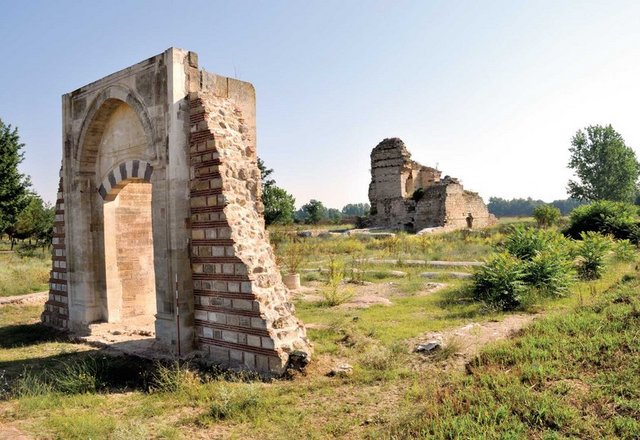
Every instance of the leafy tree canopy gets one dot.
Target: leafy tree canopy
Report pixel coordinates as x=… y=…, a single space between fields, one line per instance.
x=314 y=210
x=279 y=205
x=356 y=209
x=13 y=184
x=605 y=167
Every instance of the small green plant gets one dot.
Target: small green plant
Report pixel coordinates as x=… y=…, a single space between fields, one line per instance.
x=293 y=255
x=357 y=269
x=172 y=377
x=624 y=250
x=546 y=215
x=334 y=293
x=591 y=254
x=234 y=400
x=500 y=283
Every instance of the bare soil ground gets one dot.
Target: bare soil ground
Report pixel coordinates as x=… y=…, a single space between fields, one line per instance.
x=466 y=341
x=30 y=298
x=364 y=295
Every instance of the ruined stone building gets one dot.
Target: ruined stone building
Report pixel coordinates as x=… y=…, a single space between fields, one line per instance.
x=159 y=217
x=406 y=195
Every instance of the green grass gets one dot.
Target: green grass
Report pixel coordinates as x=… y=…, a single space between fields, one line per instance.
x=572 y=374
x=20 y=275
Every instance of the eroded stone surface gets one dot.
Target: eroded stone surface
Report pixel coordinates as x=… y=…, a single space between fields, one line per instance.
x=159 y=218
x=406 y=195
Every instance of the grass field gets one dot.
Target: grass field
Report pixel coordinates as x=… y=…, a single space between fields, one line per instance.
x=20 y=275
x=573 y=373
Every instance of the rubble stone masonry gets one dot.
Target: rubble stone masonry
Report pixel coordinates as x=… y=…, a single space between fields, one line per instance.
x=159 y=216
x=406 y=195
x=243 y=315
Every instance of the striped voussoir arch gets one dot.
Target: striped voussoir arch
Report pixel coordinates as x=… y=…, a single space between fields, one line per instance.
x=123 y=174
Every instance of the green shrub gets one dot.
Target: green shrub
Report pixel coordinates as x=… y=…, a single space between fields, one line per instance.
x=549 y=272
x=546 y=215
x=624 y=250
x=608 y=218
x=525 y=243
x=591 y=254
x=500 y=283
x=335 y=294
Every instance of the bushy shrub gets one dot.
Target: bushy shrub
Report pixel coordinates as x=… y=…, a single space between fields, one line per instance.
x=525 y=243
x=608 y=218
x=546 y=215
x=500 y=283
x=532 y=261
x=591 y=254
x=549 y=272
x=624 y=250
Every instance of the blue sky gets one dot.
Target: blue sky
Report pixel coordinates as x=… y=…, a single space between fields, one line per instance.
x=490 y=92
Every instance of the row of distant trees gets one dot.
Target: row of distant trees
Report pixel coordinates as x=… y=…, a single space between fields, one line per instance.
x=525 y=207
x=279 y=205
x=605 y=168
x=23 y=214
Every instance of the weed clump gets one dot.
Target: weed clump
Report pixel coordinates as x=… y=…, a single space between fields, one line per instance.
x=334 y=293
x=591 y=255
x=231 y=402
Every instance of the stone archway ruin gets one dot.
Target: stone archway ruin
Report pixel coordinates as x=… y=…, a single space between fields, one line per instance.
x=160 y=192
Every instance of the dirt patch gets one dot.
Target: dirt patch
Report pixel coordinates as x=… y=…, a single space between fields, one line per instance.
x=30 y=298
x=465 y=342
x=366 y=301
x=11 y=433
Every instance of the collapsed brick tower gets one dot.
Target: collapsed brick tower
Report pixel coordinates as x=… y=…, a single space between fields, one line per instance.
x=406 y=195
x=159 y=217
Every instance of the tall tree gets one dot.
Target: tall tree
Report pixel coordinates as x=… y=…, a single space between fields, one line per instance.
x=264 y=174
x=13 y=184
x=279 y=205
x=315 y=211
x=605 y=167
x=35 y=221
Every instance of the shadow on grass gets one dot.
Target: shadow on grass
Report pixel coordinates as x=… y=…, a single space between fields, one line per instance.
x=23 y=335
